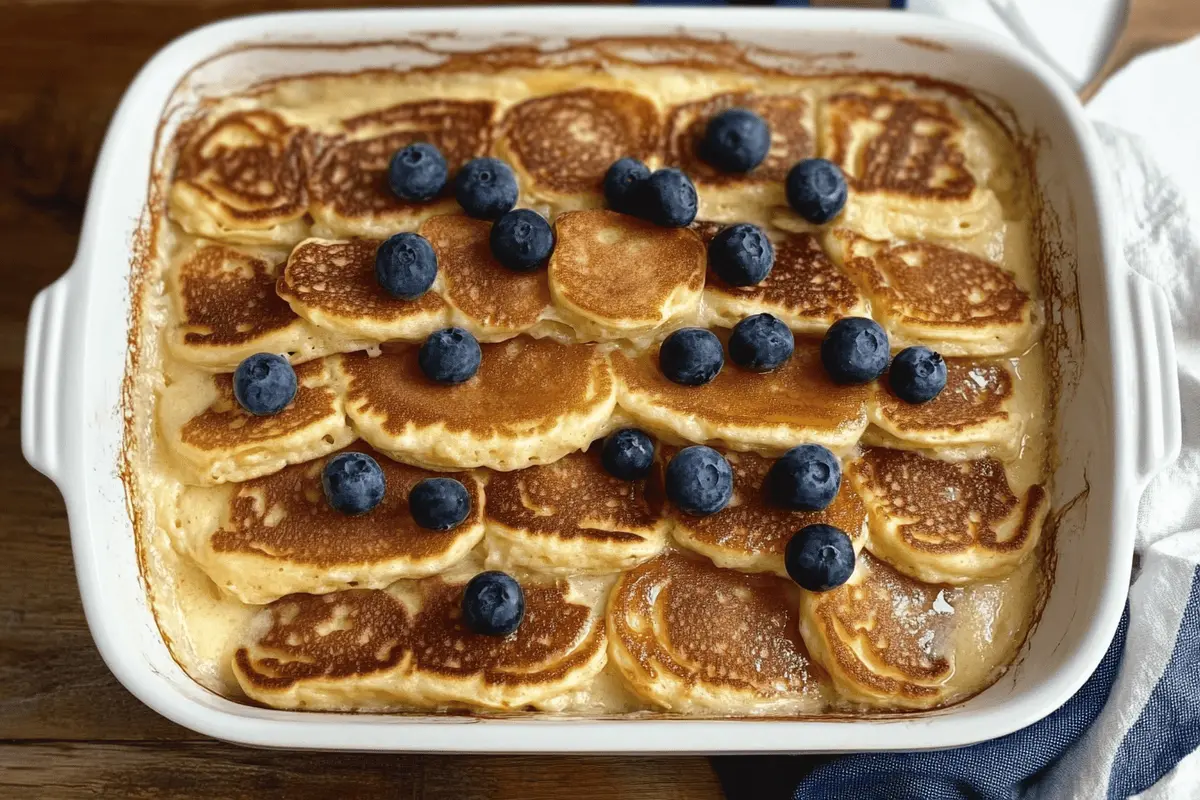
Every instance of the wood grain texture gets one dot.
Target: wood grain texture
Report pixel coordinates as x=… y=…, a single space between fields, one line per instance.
x=69 y=729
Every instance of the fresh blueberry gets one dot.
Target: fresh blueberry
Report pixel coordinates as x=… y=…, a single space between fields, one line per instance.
x=668 y=198
x=736 y=140
x=405 y=266
x=493 y=604
x=854 y=350
x=353 y=483
x=623 y=184
x=761 y=343
x=819 y=558
x=522 y=240
x=450 y=355
x=816 y=189
x=485 y=188
x=439 y=504
x=691 y=356
x=264 y=384
x=917 y=374
x=741 y=255
x=417 y=172
x=806 y=478
x=628 y=454
x=699 y=481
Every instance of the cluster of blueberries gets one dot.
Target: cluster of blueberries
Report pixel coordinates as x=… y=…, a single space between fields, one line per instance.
x=699 y=481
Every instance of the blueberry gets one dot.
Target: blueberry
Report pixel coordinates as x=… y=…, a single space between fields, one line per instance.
x=761 y=343
x=806 y=478
x=522 y=240
x=493 y=604
x=854 y=350
x=819 y=558
x=736 y=140
x=417 y=172
x=623 y=184
x=628 y=454
x=668 y=198
x=917 y=374
x=691 y=356
x=816 y=189
x=486 y=188
x=405 y=266
x=353 y=483
x=450 y=355
x=741 y=255
x=699 y=481
x=264 y=384
x=439 y=504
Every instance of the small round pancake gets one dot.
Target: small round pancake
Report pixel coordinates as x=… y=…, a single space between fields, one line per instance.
x=560 y=145
x=751 y=533
x=806 y=290
x=727 y=195
x=571 y=517
x=881 y=636
x=241 y=179
x=332 y=285
x=216 y=440
x=925 y=293
x=743 y=410
x=406 y=647
x=225 y=310
x=613 y=276
x=976 y=409
x=277 y=535
x=694 y=639
x=532 y=402
x=349 y=185
x=890 y=642
x=486 y=298
x=944 y=522
x=919 y=162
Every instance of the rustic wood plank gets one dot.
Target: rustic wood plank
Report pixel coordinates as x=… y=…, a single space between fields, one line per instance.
x=71 y=770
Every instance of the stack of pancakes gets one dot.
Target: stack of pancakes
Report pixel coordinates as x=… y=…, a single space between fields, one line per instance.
x=278 y=205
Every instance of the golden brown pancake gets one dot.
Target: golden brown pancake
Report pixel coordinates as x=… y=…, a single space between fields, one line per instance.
x=216 y=440
x=805 y=289
x=277 y=535
x=694 y=639
x=488 y=299
x=332 y=285
x=939 y=521
x=743 y=410
x=752 y=532
x=918 y=162
x=532 y=402
x=614 y=276
x=571 y=516
x=241 y=179
x=975 y=409
x=225 y=309
x=925 y=293
x=883 y=637
x=562 y=144
x=349 y=187
x=726 y=195
x=407 y=647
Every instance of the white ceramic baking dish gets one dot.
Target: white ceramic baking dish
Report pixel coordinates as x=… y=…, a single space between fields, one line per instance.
x=1118 y=418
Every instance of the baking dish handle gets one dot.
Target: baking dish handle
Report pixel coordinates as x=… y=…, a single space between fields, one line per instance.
x=1158 y=435
x=42 y=385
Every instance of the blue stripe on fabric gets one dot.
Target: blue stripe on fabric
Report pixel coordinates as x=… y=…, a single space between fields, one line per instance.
x=994 y=770
x=1169 y=726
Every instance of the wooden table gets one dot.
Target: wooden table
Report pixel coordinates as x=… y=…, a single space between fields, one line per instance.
x=67 y=729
